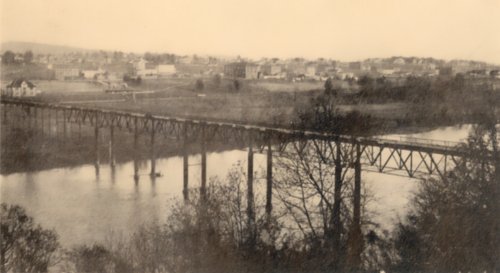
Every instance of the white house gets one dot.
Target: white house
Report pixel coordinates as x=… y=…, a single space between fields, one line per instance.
x=21 y=88
x=166 y=69
x=310 y=70
x=140 y=64
x=91 y=74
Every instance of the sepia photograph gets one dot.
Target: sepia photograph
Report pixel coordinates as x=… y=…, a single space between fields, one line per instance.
x=252 y=136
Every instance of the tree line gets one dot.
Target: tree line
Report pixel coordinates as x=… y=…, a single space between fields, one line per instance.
x=9 y=57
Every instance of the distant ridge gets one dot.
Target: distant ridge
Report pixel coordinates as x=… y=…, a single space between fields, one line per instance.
x=39 y=48
x=42 y=48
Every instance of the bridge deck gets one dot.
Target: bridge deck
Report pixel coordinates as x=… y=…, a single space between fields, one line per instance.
x=404 y=143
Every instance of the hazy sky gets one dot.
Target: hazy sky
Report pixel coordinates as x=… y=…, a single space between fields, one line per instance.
x=345 y=30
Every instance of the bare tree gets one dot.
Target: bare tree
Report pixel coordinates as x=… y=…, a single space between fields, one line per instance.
x=316 y=197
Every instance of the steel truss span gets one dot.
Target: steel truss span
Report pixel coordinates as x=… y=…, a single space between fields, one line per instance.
x=394 y=157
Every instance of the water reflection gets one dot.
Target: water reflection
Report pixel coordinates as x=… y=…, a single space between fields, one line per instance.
x=83 y=207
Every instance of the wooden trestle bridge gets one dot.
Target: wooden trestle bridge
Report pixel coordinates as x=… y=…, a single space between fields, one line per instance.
x=410 y=157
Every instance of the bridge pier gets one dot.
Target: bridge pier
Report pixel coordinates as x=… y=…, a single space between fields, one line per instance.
x=42 y=120
x=112 y=146
x=64 y=125
x=185 y=167
x=203 y=188
x=113 y=175
x=50 y=122
x=153 y=156
x=31 y=117
x=37 y=126
x=250 y=197
x=18 y=117
x=15 y=116
x=96 y=147
x=26 y=115
x=336 y=222
x=250 y=194
x=269 y=180
x=79 y=130
x=136 y=151
x=355 y=244
x=56 y=122
x=12 y=115
x=4 y=109
x=27 y=118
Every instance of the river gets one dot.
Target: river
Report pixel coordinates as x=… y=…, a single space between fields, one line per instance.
x=83 y=208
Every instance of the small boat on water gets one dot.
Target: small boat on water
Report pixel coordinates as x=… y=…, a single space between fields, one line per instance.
x=158 y=174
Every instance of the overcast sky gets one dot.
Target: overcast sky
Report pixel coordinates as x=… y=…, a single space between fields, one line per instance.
x=339 y=29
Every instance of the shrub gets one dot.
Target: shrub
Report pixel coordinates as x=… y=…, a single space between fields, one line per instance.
x=25 y=247
x=199 y=85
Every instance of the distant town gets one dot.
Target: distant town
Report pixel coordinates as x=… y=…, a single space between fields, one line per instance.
x=117 y=70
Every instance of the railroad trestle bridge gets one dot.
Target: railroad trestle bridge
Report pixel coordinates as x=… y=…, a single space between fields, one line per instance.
x=403 y=157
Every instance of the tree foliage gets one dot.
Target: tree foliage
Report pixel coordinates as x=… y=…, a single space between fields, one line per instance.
x=237 y=85
x=163 y=58
x=454 y=223
x=8 y=57
x=322 y=114
x=329 y=89
x=25 y=246
x=28 y=57
x=199 y=85
x=217 y=80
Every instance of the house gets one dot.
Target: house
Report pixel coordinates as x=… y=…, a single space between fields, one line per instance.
x=139 y=64
x=387 y=71
x=354 y=65
x=144 y=69
x=310 y=70
x=446 y=71
x=325 y=69
x=184 y=59
x=66 y=72
x=21 y=88
x=91 y=74
x=242 y=70
x=166 y=69
x=399 y=61
x=271 y=69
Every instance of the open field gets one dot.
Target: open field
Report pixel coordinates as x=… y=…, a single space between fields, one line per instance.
x=286 y=86
x=184 y=83
x=255 y=102
x=265 y=108
x=65 y=87
x=272 y=103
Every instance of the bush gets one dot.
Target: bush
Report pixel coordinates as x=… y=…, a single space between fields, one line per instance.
x=96 y=258
x=237 y=85
x=25 y=247
x=199 y=85
x=454 y=223
x=217 y=80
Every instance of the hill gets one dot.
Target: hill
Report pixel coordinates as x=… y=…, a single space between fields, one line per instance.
x=39 y=48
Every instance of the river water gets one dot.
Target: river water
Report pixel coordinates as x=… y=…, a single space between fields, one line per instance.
x=85 y=208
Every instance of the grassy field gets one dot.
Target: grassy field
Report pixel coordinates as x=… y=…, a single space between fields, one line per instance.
x=65 y=87
x=259 y=102
x=285 y=86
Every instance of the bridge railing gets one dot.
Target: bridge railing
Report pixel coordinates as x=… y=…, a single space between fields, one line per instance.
x=420 y=141
x=284 y=135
